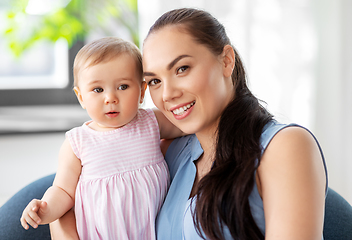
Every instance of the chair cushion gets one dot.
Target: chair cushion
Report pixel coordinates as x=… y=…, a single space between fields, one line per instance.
x=338 y=217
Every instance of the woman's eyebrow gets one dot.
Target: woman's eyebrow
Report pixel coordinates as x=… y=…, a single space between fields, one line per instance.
x=148 y=74
x=169 y=66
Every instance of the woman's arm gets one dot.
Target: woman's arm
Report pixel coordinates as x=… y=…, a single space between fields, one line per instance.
x=164 y=145
x=64 y=227
x=59 y=198
x=167 y=129
x=292 y=182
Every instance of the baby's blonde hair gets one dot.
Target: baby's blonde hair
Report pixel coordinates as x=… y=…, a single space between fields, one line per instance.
x=103 y=50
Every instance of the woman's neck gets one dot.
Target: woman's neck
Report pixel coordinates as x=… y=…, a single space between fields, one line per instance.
x=207 y=142
x=207 y=139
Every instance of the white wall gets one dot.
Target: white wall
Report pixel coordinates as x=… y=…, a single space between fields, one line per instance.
x=26 y=158
x=333 y=102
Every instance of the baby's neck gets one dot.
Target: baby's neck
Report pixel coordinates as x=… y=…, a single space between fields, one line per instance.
x=101 y=128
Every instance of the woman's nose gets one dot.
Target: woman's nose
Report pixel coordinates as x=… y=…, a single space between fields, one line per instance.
x=111 y=98
x=170 y=91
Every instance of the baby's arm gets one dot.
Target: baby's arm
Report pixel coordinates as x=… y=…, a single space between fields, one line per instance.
x=59 y=198
x=167 y=129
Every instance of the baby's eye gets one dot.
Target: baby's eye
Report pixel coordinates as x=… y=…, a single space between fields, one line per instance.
x=153 y=82
x=123 y=87
x=182 y=69
x=98 y=90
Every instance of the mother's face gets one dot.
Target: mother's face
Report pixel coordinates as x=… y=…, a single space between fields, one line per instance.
x=187 y=82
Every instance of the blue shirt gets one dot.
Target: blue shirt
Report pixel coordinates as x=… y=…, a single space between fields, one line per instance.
x=174 y=221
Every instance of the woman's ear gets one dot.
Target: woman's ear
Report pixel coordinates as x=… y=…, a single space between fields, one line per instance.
x=79 y=96
x=228 y=59
x=143 y=89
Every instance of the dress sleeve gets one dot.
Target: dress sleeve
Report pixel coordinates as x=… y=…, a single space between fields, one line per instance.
x=72 y=137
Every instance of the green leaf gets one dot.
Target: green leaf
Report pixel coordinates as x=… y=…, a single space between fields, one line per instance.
x=72 y=22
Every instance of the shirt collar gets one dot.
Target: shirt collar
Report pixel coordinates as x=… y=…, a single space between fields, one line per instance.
x=196 y=148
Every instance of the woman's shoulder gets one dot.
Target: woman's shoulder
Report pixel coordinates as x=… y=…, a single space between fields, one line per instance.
x=288 y=136
x=290 y=150
x=284 y=132
x=292 y=140
x=270 y=130
x=290 y=144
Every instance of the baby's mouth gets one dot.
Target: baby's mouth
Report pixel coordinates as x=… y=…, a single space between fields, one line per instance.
x=182 y=110
x=112 y=113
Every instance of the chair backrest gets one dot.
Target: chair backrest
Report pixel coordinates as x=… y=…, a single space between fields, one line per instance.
x=338 y=217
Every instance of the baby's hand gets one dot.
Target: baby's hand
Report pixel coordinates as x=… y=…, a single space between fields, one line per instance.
x=32 y=212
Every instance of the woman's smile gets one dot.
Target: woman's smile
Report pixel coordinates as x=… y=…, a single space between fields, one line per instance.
x=183 y=111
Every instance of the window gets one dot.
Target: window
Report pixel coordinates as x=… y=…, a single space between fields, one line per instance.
x=49 y=85
x=40 y=76
x=43 y=66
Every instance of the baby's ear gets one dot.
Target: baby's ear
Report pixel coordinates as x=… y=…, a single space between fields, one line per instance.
x=228 y=60
x=79 y=96
x=143 y=89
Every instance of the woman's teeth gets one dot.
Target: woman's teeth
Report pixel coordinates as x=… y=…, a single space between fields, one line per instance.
x=181 y=110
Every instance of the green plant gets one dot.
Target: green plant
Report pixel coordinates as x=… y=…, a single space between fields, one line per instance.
x=73 y=21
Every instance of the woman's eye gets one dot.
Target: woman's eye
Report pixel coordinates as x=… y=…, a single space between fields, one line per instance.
x=98 y=90
x=123 y=87
x=182 y=69
x=153 y=82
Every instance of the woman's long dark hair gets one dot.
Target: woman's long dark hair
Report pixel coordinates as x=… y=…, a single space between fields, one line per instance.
x=222 y=195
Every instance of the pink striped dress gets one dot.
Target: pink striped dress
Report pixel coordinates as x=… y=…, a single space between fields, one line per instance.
x=123 y=182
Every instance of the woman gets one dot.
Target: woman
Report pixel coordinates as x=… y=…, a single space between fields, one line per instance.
x=239 y=174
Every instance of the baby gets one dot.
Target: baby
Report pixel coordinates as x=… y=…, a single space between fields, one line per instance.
x=111 y=168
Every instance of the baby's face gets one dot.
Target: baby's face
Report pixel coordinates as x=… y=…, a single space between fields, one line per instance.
x=110 y=92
